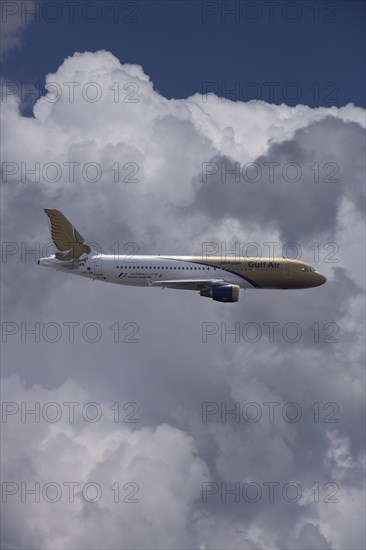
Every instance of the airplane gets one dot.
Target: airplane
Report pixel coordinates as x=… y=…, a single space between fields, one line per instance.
x=219 y=278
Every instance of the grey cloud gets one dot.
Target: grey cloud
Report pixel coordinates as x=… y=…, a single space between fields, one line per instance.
x=309 y=537
x=170 y=371
x=305 y=208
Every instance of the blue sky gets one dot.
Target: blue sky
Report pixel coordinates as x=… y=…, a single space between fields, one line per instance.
x=208 y=173
x=292 y=52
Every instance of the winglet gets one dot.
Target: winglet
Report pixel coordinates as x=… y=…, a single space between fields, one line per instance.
x=68 y=241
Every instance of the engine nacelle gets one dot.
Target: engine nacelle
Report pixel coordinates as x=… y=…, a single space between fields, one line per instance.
x=222 y=293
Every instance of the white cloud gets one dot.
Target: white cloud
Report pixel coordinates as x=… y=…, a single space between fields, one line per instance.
x=170 y=372
x=160 y=465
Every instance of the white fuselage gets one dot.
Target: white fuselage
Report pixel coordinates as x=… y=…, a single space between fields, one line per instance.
x=219 y=278
x=277 y=273
x=143 y=270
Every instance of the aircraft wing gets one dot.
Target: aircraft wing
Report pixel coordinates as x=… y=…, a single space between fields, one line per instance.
x=189 y=284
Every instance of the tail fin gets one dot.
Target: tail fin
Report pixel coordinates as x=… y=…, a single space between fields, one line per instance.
x=70 y=244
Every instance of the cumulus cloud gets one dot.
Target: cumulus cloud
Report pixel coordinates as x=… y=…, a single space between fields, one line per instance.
x=164 y=460
x=126 y=165
x=304 y=178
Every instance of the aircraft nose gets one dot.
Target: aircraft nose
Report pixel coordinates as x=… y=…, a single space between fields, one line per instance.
x=321 y=279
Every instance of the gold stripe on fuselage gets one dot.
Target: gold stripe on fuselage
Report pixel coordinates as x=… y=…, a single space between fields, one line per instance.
x=275 y=273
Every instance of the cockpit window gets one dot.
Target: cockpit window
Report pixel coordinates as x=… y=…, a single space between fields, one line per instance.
x=308 y=269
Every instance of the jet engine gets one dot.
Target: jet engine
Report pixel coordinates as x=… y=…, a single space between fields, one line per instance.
x=222 y=293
